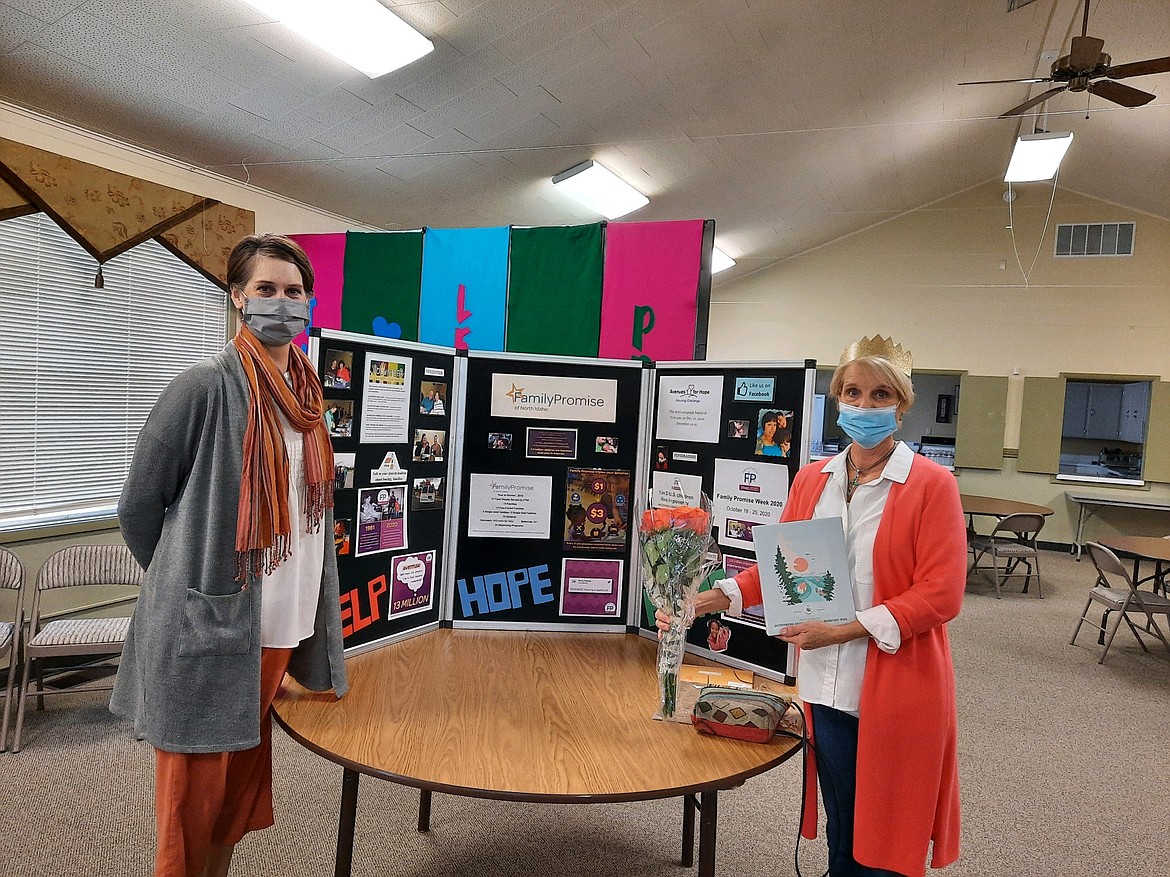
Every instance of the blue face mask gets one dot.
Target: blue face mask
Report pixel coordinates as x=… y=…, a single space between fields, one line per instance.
x=867 y=426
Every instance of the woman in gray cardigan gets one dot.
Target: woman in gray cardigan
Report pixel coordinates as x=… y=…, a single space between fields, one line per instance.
x=228 y=508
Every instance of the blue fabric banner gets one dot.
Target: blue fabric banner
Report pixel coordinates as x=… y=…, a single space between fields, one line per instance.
x=464 y=287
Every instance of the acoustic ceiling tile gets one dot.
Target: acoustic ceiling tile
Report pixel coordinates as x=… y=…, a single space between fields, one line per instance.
x=207 y=16
x=32 y=65
x=289 y=130
x=426 y=16
x=271 y=99
x=17 y=27
x=457 y=7
x=582 y=55
x=485 y=97
x=335 y=106
x=202 y=89
x=79 y=35
x=472 y=30
x=535 y=36
x=394 y=143
x=234 y=55
x=503 y=125
x=459 y=75
x=640 y=18
x=48 y=11
x=127 y=13
x=357 y=167
x=283 y=40
x=352 y=135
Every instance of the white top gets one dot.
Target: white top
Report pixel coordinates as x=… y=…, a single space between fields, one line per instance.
x=832 y=675
x=288 y=603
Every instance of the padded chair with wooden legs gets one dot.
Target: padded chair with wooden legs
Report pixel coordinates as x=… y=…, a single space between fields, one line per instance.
x=1014 y=542
x=92 y=640
x=11 y=579
x=1116 y=591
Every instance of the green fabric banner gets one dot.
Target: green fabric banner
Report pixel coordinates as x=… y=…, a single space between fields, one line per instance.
x=383 y=276
x=554 y=290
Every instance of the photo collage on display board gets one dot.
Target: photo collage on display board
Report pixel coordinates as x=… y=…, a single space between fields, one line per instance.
x=549 y=456
x=733 y=433
x=548 y=470
x=386 y=409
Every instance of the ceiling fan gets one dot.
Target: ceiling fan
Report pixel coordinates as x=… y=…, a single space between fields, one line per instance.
x=1087 y=68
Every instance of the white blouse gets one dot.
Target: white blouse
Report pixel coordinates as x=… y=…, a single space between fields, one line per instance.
x=832 y=675
x=288 y=603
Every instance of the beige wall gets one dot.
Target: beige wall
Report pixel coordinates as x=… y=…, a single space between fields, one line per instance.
x=933 y=279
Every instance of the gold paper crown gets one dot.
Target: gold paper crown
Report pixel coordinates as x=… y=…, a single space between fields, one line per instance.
x=879 y=346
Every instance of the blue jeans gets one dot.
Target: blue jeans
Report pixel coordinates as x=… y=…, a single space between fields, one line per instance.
x=835 y=739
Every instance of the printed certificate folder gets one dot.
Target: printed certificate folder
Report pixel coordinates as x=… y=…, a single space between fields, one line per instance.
x=804 y=573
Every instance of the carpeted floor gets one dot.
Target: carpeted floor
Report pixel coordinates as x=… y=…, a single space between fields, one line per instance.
x=1063 y=773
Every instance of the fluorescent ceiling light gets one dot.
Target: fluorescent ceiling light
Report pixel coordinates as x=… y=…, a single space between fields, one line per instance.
x=1037 y=156
x=362 y=33
x=720 y=261
x=599 y=189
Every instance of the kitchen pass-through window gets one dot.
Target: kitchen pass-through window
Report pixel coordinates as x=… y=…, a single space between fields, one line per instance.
x=1104 y=431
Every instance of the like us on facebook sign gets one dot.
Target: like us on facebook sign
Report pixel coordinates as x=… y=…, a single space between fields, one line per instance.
x=754 y=389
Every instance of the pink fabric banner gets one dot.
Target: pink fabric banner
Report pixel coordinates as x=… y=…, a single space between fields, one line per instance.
x=650 y=290
x=326 y=252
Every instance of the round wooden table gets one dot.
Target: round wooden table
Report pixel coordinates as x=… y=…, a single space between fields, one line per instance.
x=520 y=716
x=999 y=508
x=1141 y=548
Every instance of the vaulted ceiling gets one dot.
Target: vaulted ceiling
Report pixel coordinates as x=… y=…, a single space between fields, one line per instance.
x=790 y=123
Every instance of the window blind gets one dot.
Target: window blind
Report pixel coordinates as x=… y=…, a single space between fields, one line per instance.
x=81 y=368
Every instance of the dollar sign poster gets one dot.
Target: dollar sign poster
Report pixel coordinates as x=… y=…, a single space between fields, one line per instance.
x=597 y=505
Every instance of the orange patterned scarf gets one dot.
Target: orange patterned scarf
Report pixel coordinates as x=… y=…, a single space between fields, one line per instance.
x=263 y=529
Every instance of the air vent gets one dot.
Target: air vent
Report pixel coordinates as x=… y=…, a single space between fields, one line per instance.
x=1095 y=239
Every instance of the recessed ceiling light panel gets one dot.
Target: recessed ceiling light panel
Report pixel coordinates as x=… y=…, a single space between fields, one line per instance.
x=599 y=189
x=720 y=261
x=362 y=33
x=1037 y=156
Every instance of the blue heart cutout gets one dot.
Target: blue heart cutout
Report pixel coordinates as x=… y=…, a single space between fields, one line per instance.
x=384 y=329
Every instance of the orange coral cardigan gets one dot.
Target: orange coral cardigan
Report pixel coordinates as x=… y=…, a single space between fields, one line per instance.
x=907 y=770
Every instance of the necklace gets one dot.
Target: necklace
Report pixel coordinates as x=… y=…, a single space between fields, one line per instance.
x=857 y=472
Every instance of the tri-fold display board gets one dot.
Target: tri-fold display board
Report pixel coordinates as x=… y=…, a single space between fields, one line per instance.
x=504 y=491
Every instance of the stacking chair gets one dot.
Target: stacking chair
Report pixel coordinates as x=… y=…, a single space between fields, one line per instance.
x=11 y=579
x=1014 y=542
x=1116 y=591
x=91 y=640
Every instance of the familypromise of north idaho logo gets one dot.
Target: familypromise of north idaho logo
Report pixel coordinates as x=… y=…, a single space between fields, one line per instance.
x=541 y=397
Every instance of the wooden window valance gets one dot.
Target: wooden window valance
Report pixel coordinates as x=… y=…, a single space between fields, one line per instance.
x=108 y=213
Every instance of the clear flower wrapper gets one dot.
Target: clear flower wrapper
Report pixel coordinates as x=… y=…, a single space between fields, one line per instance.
x=677 y=554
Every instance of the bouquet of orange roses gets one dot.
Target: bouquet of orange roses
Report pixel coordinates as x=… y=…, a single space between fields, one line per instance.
x=675 y=547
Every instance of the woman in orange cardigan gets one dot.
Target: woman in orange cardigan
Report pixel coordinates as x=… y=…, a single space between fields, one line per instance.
x=879 y=691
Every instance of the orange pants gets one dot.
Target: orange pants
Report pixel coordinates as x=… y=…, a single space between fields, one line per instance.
x=205 y=798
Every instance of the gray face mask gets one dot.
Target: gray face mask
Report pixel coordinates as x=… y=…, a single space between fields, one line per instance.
x=276 y=321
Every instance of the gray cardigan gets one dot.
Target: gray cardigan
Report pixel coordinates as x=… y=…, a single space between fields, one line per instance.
x=190 y=673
